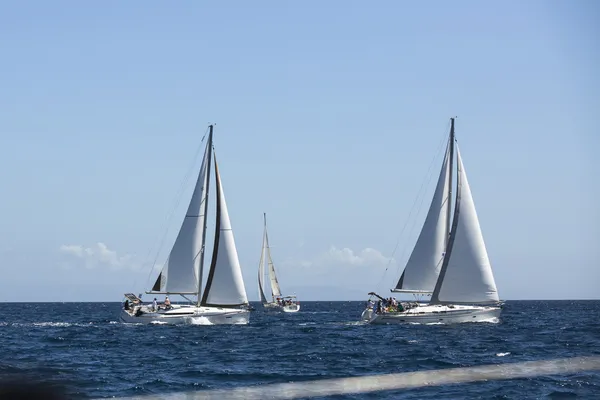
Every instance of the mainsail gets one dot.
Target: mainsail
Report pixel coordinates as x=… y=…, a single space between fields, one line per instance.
x=182 y=273
x=182 y=270
x=423 y=266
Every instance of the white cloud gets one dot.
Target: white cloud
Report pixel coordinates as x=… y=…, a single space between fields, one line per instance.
x=72 y=249
x=338 y=272
x=335 y=257
x=98 y=256
x=366 y=257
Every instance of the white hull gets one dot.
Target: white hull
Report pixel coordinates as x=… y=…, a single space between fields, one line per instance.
x=271 y=306
x=291 y=308
x=287 y=309
x=366 y=315
x=189 y=315
x=428 y=314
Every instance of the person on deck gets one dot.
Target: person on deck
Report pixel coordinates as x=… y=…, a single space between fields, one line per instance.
x=167 y=303
x=154 y=305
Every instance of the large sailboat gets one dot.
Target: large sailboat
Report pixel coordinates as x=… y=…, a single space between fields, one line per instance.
x=224 y=299
x=277 y=302
x=449 y=260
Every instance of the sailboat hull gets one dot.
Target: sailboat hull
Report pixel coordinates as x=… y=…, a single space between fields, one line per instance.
x=188 y=315
x=291 y=308
x=367 y=314
x=438 y=314
x=271 y=306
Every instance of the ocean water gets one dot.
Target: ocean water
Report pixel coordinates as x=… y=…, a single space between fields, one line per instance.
x=83 y=349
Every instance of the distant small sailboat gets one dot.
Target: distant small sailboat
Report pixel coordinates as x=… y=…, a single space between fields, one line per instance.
x=278 y=302
x=224 y=299
x=449 y=261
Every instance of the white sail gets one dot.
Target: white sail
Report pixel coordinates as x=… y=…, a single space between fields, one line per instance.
x=423 y=266
x=265 y=256
x=261 y=269
x=225 y=286
x=466 y=275
x=275 y=290
x=180 y=273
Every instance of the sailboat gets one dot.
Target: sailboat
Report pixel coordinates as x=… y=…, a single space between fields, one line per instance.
x=224 y=299
x=449 y=260
x=278 y=302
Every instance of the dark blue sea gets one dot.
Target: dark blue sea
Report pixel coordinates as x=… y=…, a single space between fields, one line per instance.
x=82 y=349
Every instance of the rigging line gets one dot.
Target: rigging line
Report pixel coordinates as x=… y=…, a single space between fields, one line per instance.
x=177 y=200
x=426 y=179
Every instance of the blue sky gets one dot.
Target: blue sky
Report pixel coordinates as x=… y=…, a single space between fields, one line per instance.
x=329 y=115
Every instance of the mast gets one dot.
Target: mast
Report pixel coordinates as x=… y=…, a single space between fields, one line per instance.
x=452 y=232
x=261 y=263
x=451 y=166
x=264 y=250
x=201 y=269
